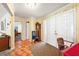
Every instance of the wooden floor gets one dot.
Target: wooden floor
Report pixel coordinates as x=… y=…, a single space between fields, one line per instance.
x=44 y=49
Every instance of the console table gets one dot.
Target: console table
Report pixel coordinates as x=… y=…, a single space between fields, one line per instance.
x=4 y=43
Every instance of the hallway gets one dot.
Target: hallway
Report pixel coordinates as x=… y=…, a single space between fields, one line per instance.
x=50 y=26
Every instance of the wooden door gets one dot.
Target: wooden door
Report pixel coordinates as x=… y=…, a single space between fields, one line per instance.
x=38 y=30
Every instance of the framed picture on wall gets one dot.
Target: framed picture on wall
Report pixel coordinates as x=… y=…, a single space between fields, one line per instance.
x=3 y=25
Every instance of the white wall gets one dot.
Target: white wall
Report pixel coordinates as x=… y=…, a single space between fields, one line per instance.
x=5 y=17
x=28 y=31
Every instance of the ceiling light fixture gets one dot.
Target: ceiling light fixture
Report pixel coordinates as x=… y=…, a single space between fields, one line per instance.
x=31 y=5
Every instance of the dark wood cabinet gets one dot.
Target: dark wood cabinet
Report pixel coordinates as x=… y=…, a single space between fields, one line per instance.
x=4 y=43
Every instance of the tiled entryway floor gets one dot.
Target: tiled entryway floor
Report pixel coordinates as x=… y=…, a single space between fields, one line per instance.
x=39 y=49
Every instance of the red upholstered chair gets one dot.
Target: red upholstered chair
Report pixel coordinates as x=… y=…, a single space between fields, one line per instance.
x=72 y=51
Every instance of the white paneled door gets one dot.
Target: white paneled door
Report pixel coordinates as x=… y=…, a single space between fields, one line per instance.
x=60 y=25
x=70 y=25
x=52 y=31
x=49 y=31
x=66 y=25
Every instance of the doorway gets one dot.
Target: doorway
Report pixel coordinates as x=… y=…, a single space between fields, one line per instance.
x=18 y=31
x=38 y=31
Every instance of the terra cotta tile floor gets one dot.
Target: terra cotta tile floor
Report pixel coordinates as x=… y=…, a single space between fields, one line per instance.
x=39 y=49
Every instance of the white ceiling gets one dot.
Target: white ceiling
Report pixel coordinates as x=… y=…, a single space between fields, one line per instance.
x=43 y=9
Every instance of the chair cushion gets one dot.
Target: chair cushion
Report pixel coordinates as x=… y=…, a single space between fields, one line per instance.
x=72 y=51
